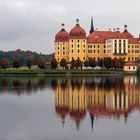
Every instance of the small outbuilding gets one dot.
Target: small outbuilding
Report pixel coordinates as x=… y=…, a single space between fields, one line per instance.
x=130 y=66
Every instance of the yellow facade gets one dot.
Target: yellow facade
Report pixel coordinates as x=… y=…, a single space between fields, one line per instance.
x=114 y=45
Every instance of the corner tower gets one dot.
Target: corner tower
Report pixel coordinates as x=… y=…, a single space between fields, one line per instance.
x=77 y=43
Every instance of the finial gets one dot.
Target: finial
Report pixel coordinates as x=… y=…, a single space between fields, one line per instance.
x=125 y=28
x=77 y=22
x=63 y=26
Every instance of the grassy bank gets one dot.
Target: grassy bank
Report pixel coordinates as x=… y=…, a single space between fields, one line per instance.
x=40 y=72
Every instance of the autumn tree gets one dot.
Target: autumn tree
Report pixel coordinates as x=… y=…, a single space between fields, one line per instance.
x=16 y=63
x=4 y=63
x=92 y=62
x=54 y=63
x=29 y=63
x=86 y=63
x=73 y=63
x=101 y=62
x=78 y=63
x=121 y=62
x=116 y=63
x=42 y=63
x=63 y=63
x=108 y=63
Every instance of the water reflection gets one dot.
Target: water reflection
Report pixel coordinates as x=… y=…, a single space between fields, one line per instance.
x=101 y=97
x=98 y=97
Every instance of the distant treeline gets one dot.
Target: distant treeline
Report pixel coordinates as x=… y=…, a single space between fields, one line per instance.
x=24 y=56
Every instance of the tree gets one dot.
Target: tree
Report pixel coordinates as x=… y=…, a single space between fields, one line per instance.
x=4 y=63
x=86 y=63
x=116 y=63
x=121 y=62
x=54 y=63
x=108 y=63
x=63 y=62
x=29 y=63
x=92 y=62
x=42 y=63
x=16 y=63
x=78 y=63
x=73 y=63
x=101 y=62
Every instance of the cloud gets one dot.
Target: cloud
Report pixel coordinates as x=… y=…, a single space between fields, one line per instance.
x=32 y=24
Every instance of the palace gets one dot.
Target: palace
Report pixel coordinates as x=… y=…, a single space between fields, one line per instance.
x=97 y=45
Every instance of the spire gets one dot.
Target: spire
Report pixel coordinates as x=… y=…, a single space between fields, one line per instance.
x=92 y=26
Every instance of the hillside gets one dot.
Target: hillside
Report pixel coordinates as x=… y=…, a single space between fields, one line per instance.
x=23 y=56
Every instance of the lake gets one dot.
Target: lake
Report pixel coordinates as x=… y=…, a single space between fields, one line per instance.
x=70 y=108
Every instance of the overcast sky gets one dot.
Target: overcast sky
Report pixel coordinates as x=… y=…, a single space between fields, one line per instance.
x=32 y=24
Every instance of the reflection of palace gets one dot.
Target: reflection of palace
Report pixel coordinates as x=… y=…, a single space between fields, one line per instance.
x=101 y=97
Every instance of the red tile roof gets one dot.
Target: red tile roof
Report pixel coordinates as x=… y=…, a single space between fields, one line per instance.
x=77 y=33
x=62 y=36
x=130 y=63
x=102 y=36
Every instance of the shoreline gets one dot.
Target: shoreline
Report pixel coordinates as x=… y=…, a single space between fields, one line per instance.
x=71 y=73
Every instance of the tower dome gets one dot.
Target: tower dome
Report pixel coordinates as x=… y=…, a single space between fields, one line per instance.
x=62 y=36
x=77 y=32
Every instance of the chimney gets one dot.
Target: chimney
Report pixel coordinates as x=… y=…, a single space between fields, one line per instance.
x=109 y=29
x=114 y=29
x=96 y=29
x=118 y=29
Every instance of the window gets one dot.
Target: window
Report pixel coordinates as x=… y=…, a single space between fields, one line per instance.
x=71 y=51
x=84 y=51
x=63 y=52
x=63 y=48
x=58 y=48
x=98 y=46
x=78 y=46
x=104 y=51
x=98 y=51
x=78 y=41
x=78 y=51
x=133 y=68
